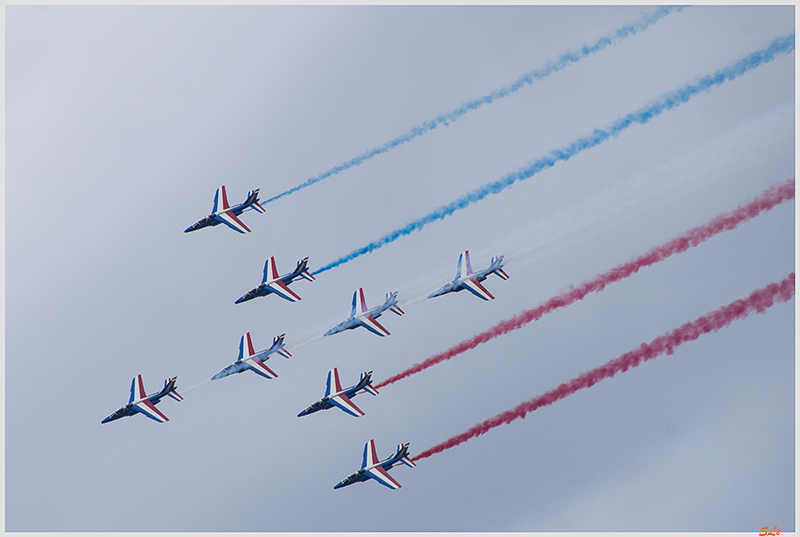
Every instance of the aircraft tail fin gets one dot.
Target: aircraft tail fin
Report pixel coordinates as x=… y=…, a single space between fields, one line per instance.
x=277 y=341
x=302 y=270
x=252 y=199
x=170 y=389
x=498 y=261
x=366 y=383
x=175 y=395
x=394 y=308
x=405 y=459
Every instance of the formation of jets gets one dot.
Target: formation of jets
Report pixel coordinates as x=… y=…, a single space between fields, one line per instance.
x=360 y=316
x=250 y=360
x=337 y=397
x=141 y=403
x=372 y=468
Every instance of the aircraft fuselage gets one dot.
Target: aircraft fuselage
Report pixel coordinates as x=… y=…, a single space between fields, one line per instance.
x=236 y=367
x=122 y=412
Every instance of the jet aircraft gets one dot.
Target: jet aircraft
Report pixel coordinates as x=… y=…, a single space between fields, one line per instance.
x=279 y=285
x=222 y=213
x=335 y=396
x=254 y=361
x=372 y=468
x=140 y=403
x=361 y=316
x=466 y=279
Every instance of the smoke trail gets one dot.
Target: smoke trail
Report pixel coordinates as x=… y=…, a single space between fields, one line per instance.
x=196 y=386
x=309 y=340
x=724 y=156
x=757 y=302
x=724 y=222
x=525 y=80
x=668 y=101
x=716 y=159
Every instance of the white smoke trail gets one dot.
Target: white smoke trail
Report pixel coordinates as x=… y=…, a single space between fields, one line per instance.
x=309 y=340
x=196 y=386
x=712 y=161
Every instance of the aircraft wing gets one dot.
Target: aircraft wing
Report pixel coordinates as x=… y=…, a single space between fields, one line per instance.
x=220 y=200
x=283 y=291
x=369 y=322
x=233 y=222
x=149 y=409
x=473 y=286
x=382 y=476
x=256 y=207
x=344 y=402
x=261 y=368
x=137 y=389
x=133 y=389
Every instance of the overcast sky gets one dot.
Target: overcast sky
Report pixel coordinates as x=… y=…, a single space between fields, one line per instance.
x=122 y=121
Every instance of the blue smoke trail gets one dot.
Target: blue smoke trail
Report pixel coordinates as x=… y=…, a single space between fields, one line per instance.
x=526 y=80
x=668 y=101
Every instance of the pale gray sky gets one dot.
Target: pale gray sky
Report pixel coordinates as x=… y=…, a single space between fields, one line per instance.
x=122 y=121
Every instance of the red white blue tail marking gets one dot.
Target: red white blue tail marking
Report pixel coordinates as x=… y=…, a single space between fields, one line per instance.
x=259 y=367
x=233 y=222
x=369 y=322
x=477 y=289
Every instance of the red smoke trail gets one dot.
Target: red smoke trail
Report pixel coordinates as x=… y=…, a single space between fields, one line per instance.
x=758 y=302
x=771 y=197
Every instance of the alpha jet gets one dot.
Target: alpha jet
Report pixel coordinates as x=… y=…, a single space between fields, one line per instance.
x=466 y=279
x=279 y=285
x=222 y=213
x=140 y=403
x=372 y=468
x=361 y=316
x=254 y=361
x=335 y=396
